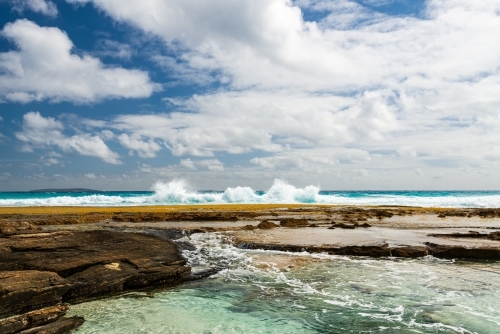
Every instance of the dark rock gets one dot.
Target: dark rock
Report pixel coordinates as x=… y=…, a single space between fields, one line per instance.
x=452 y=252
x=380 y=214
x=30 y=289
x=344 y=226
x=248 y=227
x=196 y=230
x=441 y=215
x=60 y=326
x=410 y=251
x=488 y=213
x=373 y=251
x=440 y=251
x=291 y=222
x=266 y=225
x=175 y=216
x=470 y=234
x=92 y=263
x=31 y=319
x=13 y=227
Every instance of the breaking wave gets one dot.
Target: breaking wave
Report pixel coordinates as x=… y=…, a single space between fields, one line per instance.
x=177 y=192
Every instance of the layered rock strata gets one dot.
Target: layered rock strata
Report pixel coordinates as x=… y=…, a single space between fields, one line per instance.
x=41 y=270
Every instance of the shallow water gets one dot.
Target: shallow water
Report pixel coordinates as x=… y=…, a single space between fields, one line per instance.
x=276 y=292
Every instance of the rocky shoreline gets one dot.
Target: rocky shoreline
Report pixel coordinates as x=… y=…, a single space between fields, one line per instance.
x=40 y=272
x=51 y=257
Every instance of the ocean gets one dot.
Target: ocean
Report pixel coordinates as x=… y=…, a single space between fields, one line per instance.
x=278 y=292
x=179 y=192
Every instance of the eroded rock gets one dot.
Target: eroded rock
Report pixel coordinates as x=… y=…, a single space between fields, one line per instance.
x=266 y=225
x=30 y=289
x=38 y=270
x=61 y=326
x=31 y=319
x=291 y=222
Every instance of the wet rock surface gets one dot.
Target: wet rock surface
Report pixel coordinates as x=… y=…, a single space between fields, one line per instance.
x=40 y=270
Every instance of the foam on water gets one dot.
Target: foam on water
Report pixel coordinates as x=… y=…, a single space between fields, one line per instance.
x=180 y=192
x=323 y=294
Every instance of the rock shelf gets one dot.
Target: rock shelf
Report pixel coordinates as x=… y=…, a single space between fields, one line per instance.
x=54 y=256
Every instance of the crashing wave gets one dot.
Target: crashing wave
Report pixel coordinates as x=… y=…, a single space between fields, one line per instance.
x=178 y=191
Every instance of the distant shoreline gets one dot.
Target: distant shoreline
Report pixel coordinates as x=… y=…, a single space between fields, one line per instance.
x=65 y=190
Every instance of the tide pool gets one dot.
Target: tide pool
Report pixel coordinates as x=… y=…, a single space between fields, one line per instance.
x=276 y=292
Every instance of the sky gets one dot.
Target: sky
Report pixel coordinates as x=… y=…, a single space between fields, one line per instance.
x=345 y=95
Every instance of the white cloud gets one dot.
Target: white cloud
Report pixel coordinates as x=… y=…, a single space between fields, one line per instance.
x=46 y=132
x=213 y=165
x=270 y=122
x=114 y=49
x=145 y=149
x=90 y=176
x=107 y=134
x=44 y=68
x=263 y=44
x=358 y=90
x=50 y=161
x=188 y=163
x=39 y=6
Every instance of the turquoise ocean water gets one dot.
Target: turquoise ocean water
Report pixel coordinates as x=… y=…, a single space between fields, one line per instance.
x=178 y=192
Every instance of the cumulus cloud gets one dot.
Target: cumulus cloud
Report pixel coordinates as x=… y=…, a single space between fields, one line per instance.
x=43 y=68
x=39 y=6
x=313 y=160
x=47 y=132
x=145 y=149
x=355 y=77
x=213 y=165
x=359 y=87
x=271 y=122
x=266 y=44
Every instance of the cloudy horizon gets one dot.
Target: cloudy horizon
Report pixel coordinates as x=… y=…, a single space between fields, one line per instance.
x=345 y=95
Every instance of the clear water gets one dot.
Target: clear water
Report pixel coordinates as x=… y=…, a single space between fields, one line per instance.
x=179 y=192
x=275 y=292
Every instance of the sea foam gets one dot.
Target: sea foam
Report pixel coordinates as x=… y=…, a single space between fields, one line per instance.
x=178 y=192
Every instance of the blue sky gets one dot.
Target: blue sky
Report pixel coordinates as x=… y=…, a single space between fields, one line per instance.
x=368 y=94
